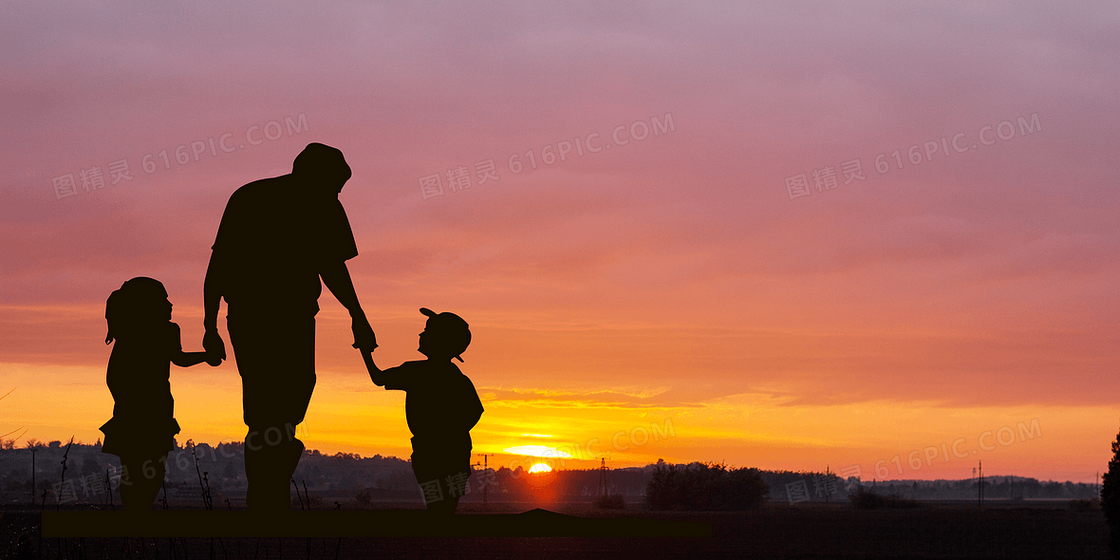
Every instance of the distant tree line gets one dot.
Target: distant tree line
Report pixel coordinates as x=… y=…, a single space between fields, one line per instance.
x=350 y=478
x=705 y=487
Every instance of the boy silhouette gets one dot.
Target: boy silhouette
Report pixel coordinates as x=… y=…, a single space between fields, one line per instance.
x=441 y=406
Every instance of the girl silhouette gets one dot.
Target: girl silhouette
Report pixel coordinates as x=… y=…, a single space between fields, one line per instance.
x=143 y=426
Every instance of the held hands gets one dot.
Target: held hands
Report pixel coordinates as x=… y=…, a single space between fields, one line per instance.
x=214 y=346
x=365 y=341
x=213 y=359
x=374 y=371
x=364 y=338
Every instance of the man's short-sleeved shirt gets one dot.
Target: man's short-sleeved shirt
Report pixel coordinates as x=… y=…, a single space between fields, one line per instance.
x=275 y=237
x=441 y=404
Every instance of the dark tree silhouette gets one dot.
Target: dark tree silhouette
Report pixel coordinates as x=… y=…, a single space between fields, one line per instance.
x=1110 y=498
x=705 y=487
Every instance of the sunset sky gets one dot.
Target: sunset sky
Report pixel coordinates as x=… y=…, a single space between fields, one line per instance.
x=686 y=283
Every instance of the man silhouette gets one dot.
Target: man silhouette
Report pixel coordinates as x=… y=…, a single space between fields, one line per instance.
x=277 y=238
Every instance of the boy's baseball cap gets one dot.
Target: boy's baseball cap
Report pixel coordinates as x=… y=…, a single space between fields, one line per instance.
x=452 y=328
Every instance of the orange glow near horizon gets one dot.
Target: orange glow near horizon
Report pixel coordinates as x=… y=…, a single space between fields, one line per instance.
x=886 y=440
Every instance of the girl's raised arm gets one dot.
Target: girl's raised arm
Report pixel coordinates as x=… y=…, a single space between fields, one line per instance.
x=181 y=358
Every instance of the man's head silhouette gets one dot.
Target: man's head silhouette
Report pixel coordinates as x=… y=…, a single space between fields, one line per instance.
x=322 y=165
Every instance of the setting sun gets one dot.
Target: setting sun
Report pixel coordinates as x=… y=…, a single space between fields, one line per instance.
x=540 y=468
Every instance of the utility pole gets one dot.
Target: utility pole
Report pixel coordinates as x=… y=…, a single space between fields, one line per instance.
x=33 y=450
x=486 y=486
x=602 y=477
x=827 y=482
x=980 y=487
x=485 y=481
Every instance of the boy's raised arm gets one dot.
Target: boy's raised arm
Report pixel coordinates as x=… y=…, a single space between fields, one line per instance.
x=394 y=378
x=375 y=373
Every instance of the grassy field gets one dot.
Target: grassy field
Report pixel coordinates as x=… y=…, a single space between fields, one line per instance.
x=1012 y=530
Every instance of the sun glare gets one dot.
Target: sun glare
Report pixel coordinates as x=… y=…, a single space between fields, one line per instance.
x=540 y=468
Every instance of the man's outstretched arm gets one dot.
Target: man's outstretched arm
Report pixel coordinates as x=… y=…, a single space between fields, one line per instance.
x=337 y=278
x=212 y=301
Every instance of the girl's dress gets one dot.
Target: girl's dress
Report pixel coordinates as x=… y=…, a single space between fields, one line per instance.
x=143 y=423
